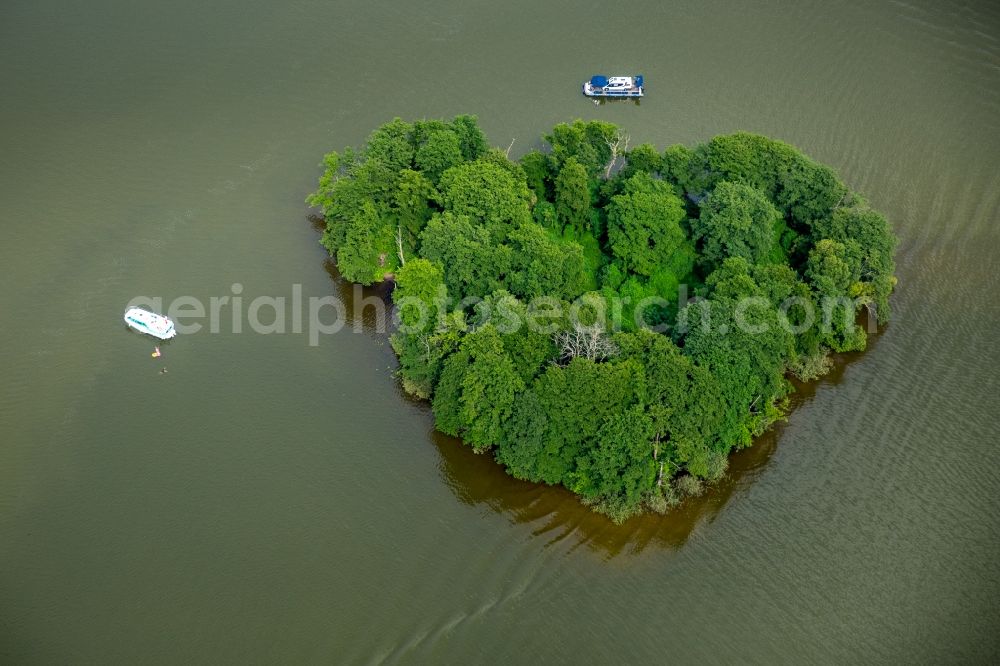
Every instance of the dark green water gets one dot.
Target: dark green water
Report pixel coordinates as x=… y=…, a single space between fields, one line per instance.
x=271 y=502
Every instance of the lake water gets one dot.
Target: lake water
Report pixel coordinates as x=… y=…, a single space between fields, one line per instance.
x=268 y=501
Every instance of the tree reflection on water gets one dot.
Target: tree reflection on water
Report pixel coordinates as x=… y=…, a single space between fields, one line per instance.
x=556 y=514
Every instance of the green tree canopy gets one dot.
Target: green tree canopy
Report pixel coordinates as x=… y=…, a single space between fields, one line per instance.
x=487 y=194
x=556 y=421
x=736 y=221
x=644 y=229
x=471 y=139
x=869 y=249
x=367 y=243
x=745 y=347
x=573 y=196
x=477 y=389
x=618 y=471
x=420 y=284
x=428 y=333
x=475 y=264
x=538 y=174
x=412 y=205
x=685 y=403
x=587 y=142
x=438 y=153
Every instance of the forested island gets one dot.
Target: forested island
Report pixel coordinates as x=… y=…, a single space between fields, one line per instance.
x=615 y=320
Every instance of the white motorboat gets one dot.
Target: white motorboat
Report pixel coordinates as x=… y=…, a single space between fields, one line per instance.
x=150 y=323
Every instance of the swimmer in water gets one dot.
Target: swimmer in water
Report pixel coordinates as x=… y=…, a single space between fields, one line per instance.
x=163 y=371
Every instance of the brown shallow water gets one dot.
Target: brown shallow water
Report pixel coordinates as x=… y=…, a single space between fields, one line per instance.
x=272 y=502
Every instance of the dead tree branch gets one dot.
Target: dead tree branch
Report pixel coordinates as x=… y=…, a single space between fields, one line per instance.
x=588 y=342
x=399 y=244
x=619 y=148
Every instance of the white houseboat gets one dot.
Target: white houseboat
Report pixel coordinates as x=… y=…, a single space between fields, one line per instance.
x=614 y=86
